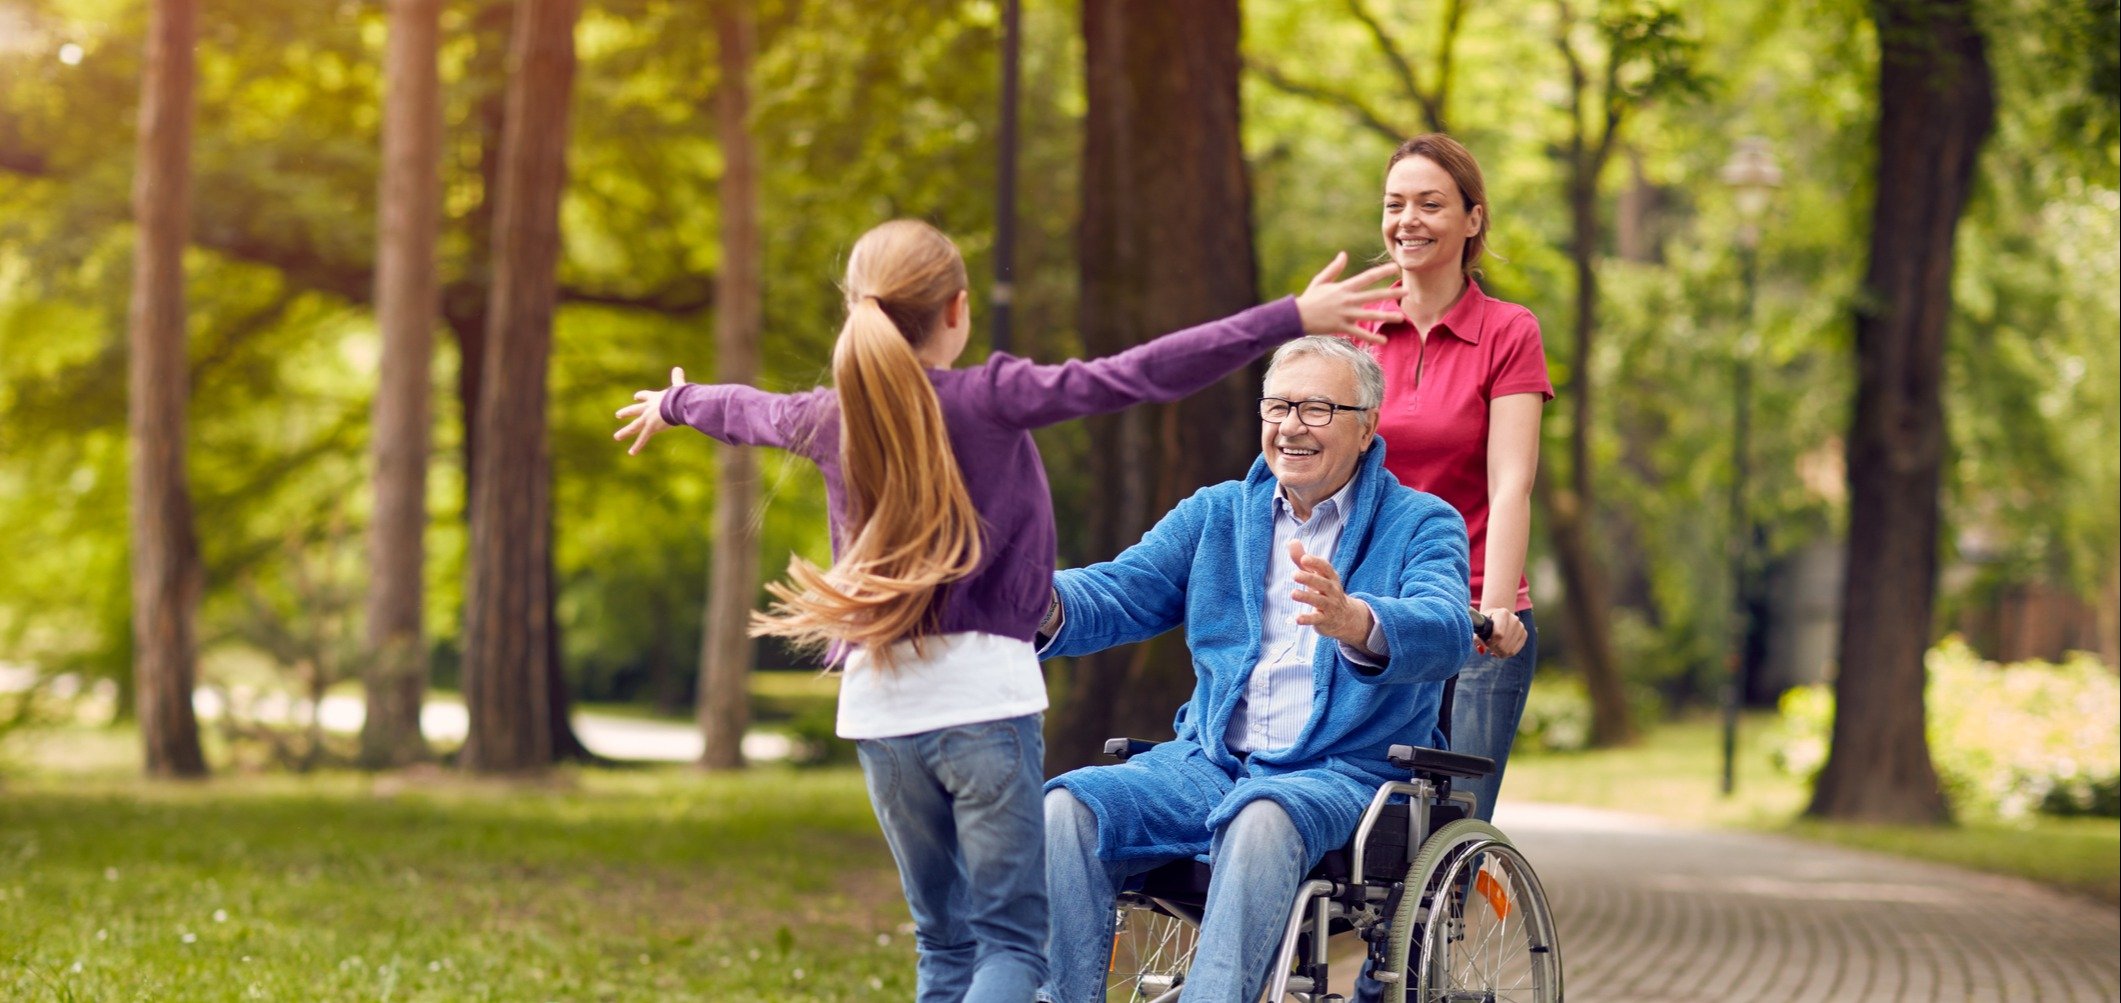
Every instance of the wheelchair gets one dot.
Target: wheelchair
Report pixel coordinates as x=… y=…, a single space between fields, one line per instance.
x=1447 y=909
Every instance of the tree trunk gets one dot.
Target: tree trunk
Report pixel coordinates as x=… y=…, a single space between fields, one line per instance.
x=559 y=703
x=165 y=557
x=726 y=646
x=394 y=679
x=1166 y=242
x=465 y=308
x=1936 y=107
x=508 y=640
x=1587 y=606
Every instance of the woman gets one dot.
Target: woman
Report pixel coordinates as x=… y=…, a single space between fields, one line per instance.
x=1465 y=381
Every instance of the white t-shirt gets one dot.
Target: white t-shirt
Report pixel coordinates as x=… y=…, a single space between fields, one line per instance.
x=966 y=678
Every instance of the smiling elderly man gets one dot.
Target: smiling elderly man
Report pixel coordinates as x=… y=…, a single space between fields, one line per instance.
x=1307 y=668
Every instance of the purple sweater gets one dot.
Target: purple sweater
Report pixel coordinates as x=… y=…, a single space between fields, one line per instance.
x=990 y=412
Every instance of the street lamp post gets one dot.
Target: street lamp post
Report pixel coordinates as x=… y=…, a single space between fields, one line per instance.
x=1753 y=177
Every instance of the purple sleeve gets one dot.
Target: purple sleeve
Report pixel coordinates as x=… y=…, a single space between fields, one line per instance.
x=1025 y=394
x=745 y=416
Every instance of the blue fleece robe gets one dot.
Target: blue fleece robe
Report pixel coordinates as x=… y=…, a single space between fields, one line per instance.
x=1204 y=566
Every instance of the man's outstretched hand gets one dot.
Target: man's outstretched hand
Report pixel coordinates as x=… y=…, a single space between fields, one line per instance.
x=1334 y=612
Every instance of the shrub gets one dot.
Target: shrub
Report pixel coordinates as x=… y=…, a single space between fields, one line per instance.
x=2007 y=740
x=1557 y=715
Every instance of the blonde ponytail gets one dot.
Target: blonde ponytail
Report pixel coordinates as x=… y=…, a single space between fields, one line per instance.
x=913 y=528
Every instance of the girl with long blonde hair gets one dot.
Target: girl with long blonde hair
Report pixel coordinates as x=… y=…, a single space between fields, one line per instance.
x=943 y=556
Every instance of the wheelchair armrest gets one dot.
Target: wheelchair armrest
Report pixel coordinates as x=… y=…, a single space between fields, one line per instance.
x=1450 y=764
x=1124 y=749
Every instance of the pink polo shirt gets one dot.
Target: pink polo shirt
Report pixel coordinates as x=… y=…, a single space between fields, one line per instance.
x=1435 y=416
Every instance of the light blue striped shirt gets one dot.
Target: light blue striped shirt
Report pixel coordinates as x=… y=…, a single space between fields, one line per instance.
x=1277 y=700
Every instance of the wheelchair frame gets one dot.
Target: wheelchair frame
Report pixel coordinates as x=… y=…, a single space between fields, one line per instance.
x=1414 y=903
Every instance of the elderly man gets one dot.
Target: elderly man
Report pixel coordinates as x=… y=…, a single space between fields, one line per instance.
x=1324 y=605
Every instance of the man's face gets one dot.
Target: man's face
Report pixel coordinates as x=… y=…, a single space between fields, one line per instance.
x=1313 y=462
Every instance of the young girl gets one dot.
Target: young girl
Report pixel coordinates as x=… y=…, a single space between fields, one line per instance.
x=943 y=544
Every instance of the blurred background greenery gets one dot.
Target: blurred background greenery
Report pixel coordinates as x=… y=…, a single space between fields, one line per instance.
x=885 y=108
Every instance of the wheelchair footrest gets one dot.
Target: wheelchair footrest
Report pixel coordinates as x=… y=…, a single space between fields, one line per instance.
x=1450 y=764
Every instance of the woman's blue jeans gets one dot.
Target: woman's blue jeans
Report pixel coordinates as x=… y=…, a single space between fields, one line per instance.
x=1486 y=707
x=961 y=809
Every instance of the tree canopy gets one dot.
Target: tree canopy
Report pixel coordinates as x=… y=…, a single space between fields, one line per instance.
x=866 y=111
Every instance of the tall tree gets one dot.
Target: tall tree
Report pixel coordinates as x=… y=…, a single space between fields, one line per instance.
x=466 y=302
x=394 y=675
x=165 y=559
x=508 y=650
x=726 y=646
x=1645 y=55
x=1936 y=106
x=1166 y=242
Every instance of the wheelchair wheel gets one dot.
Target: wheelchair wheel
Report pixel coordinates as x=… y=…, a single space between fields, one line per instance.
x=1473 y=924
x=1151 y=951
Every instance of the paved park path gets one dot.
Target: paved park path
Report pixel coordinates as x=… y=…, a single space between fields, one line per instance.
x=1654 y=912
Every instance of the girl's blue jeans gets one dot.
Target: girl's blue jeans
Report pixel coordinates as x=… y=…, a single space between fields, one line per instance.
x=961 y=810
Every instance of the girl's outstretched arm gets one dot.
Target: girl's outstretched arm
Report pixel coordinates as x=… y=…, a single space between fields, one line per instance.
x=730 y=412
x=1175 y=365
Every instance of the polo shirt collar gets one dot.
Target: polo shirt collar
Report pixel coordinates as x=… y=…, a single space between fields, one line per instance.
x=1465 y=318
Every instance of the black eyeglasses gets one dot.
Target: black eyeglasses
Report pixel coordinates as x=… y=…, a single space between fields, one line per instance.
x=1313 y=413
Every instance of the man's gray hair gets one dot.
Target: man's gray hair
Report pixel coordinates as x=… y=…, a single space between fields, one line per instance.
x=1369 y=376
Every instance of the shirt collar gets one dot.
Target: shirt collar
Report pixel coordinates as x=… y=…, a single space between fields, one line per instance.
x=1463 y=321
x=1332 y=505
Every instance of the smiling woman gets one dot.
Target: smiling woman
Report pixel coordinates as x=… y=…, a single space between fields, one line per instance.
x=1465 y=380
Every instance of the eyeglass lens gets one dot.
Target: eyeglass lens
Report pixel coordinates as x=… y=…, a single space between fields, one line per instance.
x=1313 y=413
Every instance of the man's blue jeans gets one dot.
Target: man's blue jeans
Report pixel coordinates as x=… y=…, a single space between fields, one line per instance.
x=960 y=808
x=1486 y=707
x=1259 y=861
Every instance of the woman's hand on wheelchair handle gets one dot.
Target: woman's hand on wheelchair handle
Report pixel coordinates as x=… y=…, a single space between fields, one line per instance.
x=1509 y=634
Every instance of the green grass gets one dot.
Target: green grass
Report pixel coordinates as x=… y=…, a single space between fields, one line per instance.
x=608 y=885
x=788 y=696
x=1676 y=773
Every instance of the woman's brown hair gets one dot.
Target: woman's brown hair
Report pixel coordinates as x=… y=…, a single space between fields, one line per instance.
x=1458 y=162
x=912 y=527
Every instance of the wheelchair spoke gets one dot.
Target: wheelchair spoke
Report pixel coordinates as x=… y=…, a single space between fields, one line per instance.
x=1151 y=951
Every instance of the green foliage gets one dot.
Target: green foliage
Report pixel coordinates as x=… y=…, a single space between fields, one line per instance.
x=878 y=109
x=2007 y=740
x=1557 y=715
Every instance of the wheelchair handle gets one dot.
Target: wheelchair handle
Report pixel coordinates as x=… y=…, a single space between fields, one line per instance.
x=1483 y=627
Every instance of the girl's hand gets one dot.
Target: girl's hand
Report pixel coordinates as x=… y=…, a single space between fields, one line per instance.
x=647 y=415
x=1330 y=307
